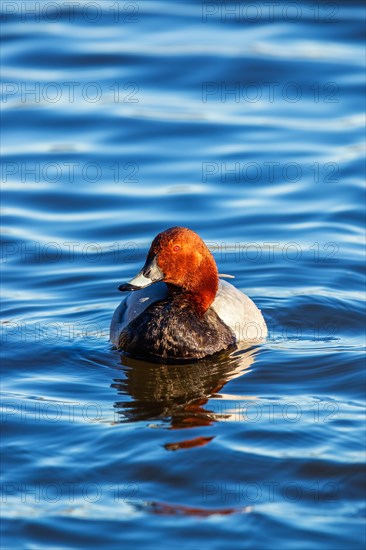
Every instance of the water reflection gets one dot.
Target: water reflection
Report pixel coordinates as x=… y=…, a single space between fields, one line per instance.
x=178 y=394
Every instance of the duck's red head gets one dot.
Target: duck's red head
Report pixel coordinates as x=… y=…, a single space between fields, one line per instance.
x=179 y=257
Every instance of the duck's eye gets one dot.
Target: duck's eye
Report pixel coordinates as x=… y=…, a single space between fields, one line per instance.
x=176 y=248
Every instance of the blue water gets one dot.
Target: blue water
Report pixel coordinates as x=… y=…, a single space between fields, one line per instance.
x=246 y=125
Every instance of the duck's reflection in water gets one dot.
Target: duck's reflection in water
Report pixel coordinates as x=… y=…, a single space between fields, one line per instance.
x=178 y=394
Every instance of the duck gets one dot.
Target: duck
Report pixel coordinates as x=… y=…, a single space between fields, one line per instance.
x=178 y=308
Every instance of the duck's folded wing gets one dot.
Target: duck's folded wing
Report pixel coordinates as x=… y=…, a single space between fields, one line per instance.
x=239 y=313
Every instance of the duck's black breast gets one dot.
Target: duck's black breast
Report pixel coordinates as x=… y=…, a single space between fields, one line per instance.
x=171 y=329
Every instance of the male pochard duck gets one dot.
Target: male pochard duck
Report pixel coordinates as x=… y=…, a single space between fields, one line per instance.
x=193 y=315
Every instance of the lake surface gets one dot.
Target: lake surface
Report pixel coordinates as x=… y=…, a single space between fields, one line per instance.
x=243 y=122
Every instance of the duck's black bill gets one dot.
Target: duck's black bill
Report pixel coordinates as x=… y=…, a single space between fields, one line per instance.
x=149 y=274
x=127 y=287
